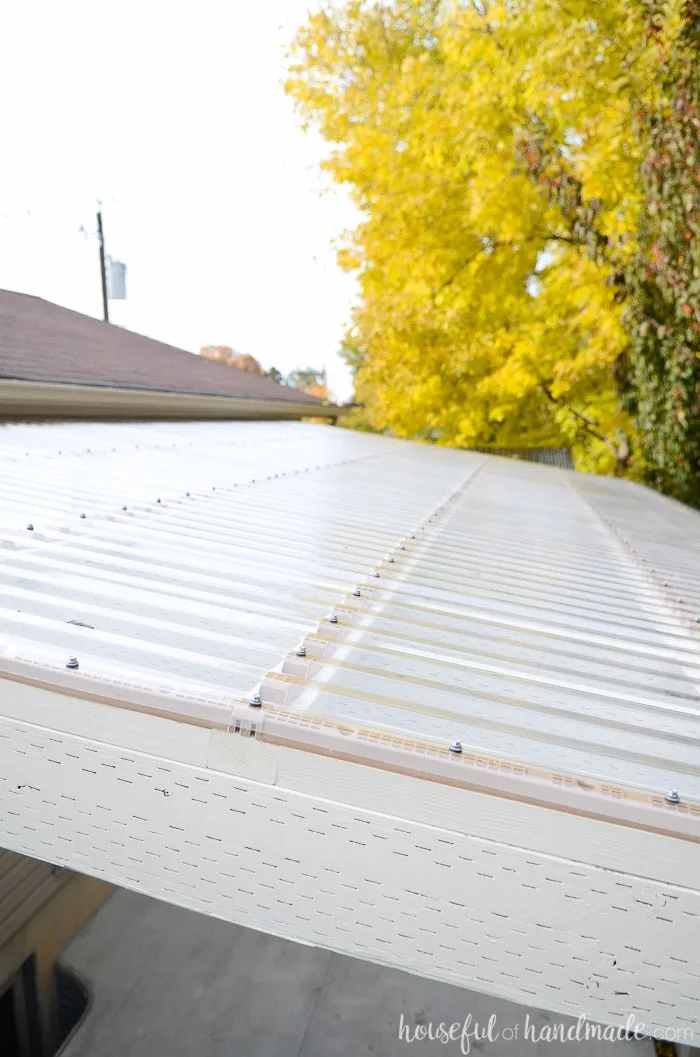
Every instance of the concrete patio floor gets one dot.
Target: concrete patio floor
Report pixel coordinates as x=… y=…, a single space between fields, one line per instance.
x=167 y=982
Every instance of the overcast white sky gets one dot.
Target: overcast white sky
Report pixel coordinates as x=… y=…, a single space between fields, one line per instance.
x=174 y=116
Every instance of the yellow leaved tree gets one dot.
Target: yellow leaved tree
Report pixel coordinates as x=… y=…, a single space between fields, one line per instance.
x=490 y=148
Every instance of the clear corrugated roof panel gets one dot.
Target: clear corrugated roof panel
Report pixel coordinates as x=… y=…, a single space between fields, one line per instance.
x=533 y=615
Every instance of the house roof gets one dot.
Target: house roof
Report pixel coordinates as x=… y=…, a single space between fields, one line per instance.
x=43 y=342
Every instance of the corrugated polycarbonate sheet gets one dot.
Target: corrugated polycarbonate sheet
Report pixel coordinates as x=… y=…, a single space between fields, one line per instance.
x=531 y=614
x=517 y=624
x=196 y=554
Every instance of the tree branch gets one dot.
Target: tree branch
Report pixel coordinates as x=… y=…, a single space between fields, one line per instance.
x=590 y=425
x=491 y=247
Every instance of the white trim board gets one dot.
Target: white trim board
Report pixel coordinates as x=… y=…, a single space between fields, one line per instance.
x=568 y=914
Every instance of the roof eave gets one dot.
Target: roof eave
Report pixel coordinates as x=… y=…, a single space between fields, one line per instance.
x=20 y=400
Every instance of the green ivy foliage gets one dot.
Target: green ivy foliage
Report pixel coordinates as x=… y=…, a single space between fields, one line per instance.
x=663 y=280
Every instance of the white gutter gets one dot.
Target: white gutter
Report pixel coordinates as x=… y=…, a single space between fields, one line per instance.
x=21 y=400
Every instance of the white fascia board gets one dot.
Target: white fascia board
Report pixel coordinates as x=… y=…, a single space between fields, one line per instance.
x=567 y=913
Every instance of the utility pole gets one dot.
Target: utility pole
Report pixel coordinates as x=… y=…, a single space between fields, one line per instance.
x=103 y=270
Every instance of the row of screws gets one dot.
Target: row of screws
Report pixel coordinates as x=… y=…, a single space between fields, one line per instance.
x=672 y=797
x=73 y=663
x=30 y=527
x=255 y=701
x=651 y=572
x=270 y=477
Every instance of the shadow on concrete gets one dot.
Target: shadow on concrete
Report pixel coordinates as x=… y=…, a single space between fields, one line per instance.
x=167 y=982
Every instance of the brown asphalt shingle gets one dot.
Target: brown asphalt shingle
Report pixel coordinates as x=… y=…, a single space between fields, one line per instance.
x=42 y=342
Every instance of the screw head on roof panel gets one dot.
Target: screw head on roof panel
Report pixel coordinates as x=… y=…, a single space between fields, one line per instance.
x=72 y=662
x=157 y=500
x=255 y=701
x=30 y=527
x=697 y=620
x=123 y=508
x=187 y=494
x=301 y=650
x=376 y=575
x=357 y=592
x=672 y=797
x=402 y=547
x=392 y=561
x=456 y=747
x=333 y=618
x=83 y=516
